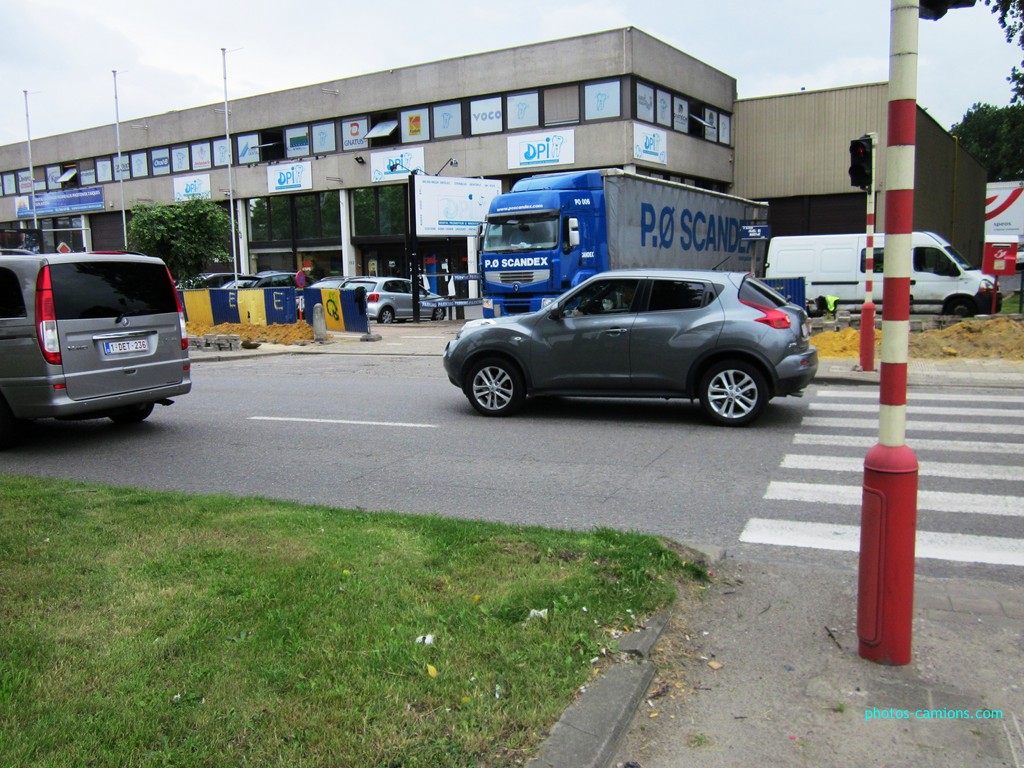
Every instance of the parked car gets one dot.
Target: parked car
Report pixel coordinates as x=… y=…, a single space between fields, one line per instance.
x=268 y=279
x=723 y=338
x=88 y=335
x=331 y=283
x=389 y=299
x=212 y=280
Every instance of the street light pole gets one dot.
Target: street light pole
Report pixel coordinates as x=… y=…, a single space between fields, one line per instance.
x=120 y=164
x=231 y=184
x=31 y=169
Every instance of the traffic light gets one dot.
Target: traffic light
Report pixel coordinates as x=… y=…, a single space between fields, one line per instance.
x=860 y=162
x=936 y=9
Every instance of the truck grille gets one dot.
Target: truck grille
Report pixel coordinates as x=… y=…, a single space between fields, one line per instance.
x=523 y=277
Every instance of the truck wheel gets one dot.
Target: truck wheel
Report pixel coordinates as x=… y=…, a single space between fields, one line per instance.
x=960 y=307
x=133 y=415
x=12 y=430
x=495 y=387
x=733 y=393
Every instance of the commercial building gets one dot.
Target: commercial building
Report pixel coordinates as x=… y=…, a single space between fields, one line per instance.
x=318 y=173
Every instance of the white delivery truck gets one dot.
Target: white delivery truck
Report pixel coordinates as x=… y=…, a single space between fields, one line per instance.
x=941 y=281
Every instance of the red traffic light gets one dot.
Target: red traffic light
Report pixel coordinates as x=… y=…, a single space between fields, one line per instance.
x=860 y=162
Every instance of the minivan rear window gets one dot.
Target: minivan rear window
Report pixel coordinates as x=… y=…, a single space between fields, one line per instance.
x=90 y=289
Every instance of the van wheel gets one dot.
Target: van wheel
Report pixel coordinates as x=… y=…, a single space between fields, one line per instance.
x=495 y=387
x=960 y=307
x=133 y=415
x=733 y=393
x=12 y=430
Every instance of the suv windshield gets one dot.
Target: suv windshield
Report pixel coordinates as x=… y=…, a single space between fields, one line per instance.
x=533 y=233
x=92 y=289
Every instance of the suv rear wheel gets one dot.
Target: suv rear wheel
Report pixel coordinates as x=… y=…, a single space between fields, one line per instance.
x=733 y=393
x=495 y=387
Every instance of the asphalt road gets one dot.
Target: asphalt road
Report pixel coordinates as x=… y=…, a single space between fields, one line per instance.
x=390 y=433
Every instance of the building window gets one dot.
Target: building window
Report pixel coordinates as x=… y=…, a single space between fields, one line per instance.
x=485 y=116
x=644 y=102
x=522 y=110
x=325 y=138
x=330 y=215
x=725 y=129
x=415 y=125
x=161 y=160
x=447 y=121
x=87 y=172
x=297 y=141
x=602 y=100
x=379 y=211
x=179 y=160
x=104 y=170
x=221 y=153
x=664 y=108
x=248 y=148
x=140 y=164
x=10 y=187
x=562 y=105
x=202 y=156
x=122 y=171
x=681 y=114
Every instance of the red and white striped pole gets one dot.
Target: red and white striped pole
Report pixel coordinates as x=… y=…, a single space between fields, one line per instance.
x=867 y=310
x=885 y=597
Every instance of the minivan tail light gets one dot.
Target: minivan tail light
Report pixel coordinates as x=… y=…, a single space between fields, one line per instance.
x=773 y=318
x=46 y=318
x=181 y=310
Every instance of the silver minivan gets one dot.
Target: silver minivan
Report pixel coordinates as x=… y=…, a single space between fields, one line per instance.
x=88 y=335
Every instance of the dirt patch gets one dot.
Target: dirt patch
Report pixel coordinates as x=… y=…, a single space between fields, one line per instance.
x=279 y=333
x=999 y=337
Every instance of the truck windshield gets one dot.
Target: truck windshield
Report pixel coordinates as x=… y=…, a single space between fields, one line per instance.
x=534 y=233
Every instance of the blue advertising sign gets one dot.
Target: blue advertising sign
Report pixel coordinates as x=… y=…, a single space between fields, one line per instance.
x=756 y=232
x=63 y=202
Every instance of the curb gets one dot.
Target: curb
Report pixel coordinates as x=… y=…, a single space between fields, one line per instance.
x=589 y=732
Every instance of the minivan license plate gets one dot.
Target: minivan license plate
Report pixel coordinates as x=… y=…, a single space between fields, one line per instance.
x=121 y=347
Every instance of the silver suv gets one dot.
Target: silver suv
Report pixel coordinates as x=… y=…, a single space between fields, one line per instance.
x=724 y=338
x=88 y=335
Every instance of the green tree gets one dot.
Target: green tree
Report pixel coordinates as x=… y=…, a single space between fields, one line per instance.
x=995 y=135
x=1010 y=14
x=186 y=235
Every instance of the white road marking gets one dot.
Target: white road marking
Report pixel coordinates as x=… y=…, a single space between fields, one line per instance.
x=925 y=468
x=932 y=501
x=959 y=428
x=959 y=547
x=920 y=410
x=347 y=421
x=866 y=441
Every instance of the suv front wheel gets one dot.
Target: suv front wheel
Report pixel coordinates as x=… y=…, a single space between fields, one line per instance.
x=495 y=387
x=733 y=393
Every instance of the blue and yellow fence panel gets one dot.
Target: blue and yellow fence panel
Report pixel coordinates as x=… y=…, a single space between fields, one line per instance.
x=270 y=306
x=341 y=311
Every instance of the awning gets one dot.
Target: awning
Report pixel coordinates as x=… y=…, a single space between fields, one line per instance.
x=380 y=130
x=68 y=175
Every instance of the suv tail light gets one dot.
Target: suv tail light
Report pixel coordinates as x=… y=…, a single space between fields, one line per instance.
x=372 y=298
x=181 y=310
x=46 y=318
x=773 y=318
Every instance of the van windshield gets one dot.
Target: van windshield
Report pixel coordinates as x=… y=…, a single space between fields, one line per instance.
x=91 y=289
x=958 y=258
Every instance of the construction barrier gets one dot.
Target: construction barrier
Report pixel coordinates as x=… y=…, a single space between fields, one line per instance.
x=271 y=306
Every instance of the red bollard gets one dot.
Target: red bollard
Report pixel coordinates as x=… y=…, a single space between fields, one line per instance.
x=885 y=592
x=867 y=336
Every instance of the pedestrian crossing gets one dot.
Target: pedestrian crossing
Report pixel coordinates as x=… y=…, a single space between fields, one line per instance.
x=970 y=480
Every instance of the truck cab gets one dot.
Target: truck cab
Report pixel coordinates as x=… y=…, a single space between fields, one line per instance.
x=530 y=246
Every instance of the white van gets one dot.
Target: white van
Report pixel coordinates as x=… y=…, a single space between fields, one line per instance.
x=942 y=281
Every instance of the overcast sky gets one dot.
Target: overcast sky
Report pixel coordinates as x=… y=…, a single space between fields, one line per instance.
x=168 y=55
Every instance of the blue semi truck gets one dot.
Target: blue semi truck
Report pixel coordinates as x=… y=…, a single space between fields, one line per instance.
x=553 y=231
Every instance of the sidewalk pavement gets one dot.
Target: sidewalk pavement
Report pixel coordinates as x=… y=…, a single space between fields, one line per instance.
x=768 y=665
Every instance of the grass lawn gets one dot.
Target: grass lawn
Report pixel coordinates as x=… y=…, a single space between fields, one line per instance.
x=144 y=628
